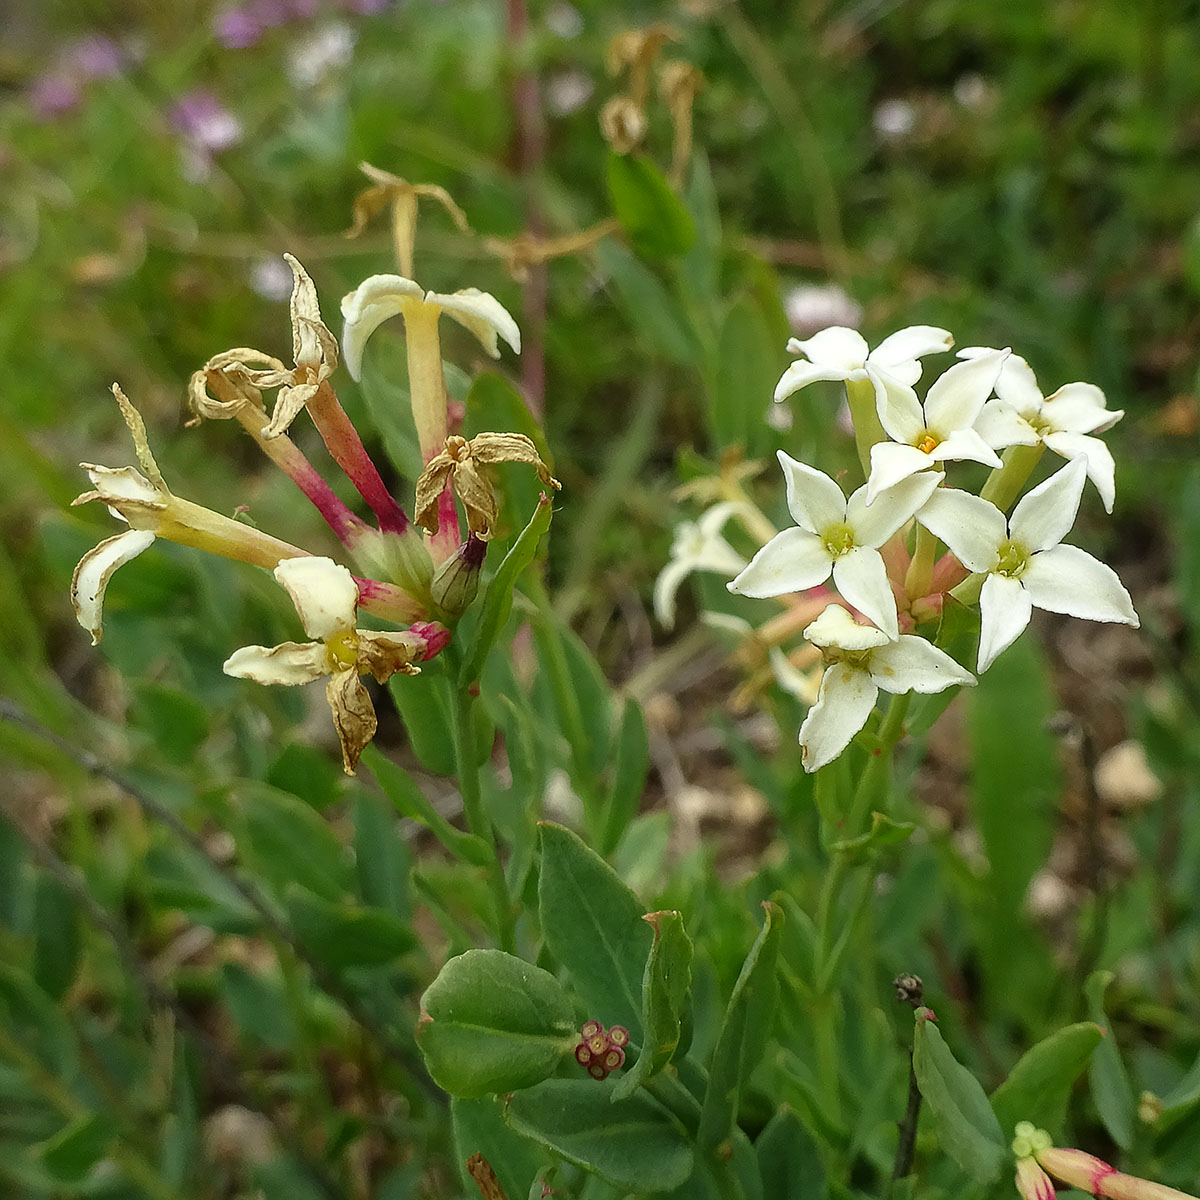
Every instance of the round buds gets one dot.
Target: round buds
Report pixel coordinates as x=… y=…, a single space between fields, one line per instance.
x=601 y=1051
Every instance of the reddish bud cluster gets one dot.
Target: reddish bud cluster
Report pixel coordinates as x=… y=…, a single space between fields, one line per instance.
x=601 y=1051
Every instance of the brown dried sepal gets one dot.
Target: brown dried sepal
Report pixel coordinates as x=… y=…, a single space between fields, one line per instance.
x=463 y=464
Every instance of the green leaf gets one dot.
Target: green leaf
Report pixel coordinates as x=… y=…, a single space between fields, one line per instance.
x=424 y=704
x=744 y=1032
x=634 y=1143
x=653 y=313
x=480 y=1128
x=56 y=936
x=308 y=773
x=1039 y=1087
x=75 y=1150
x=631 y=755
x=341 y=936
x=258 y=1004
x=748 y=367
x=498 y=598
x=789 y=1161
x=381 y=858
x=1014 y=790
x=966 y=1125
x=286 y=842
x=411 y=802
x=491 y=1022
x=593 y=926
x=666 y=985
x=1111 y=1088
x=654 y=218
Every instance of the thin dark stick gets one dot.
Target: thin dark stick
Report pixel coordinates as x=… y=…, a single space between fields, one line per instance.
x=910 y=991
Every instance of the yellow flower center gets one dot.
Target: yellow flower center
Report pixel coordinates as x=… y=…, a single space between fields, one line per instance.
x=342 y=649
x=838 y=539
x=928 y=442
x=1013 y=559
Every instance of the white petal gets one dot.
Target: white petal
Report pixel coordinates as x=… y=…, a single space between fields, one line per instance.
x=324 y=593
x=966 y=444
x=120 y=484
x=836 y=627
x=1100 y=466
x=792 y=561
x=1001 y=427
x=899 y=409
x=840 y=347
x=1065 y=579
x=842 y=708
x=666 y=586
x=714 y=519
x=800 y=374
x=803 y=685
x=913 y=342
x=972 y=527
x=814 y=500
x=1018 y=386
x=1080 y=408
x=374 y=301
x=1004 y=608
x=483 y=315
x=911 y=664
x=891 y=463
x=94 y=571
x=1045 y=516
x=955 y=399
x=290 y=664
x=862 y=580
x=874 y=522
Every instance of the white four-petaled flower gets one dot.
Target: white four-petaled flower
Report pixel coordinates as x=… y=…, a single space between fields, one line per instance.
x=861 y=662
x=939 y=430
x=1064 y=421
x=698 y=546
x=836 y=536
x=839 y=353
x=1025 y=565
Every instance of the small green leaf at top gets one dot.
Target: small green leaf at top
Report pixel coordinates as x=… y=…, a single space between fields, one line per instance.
x=884 y=832
x=966 y=1125
x=656 y=221
x=666 y=986
x=491 y=1022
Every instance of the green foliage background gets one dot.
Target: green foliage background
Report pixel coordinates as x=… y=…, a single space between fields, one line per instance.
x=1044 y=197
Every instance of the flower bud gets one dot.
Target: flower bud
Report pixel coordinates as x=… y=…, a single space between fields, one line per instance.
x=456 y=581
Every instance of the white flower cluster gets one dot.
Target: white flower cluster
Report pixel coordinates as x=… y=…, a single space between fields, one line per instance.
x=881 y=546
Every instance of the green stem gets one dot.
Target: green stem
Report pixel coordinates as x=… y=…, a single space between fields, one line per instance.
x=918 y=580
x=860 y=396
x=477 y=819
x=1004 y=484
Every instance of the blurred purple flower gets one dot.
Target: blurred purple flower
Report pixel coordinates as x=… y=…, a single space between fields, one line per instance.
x=364 y=8
x=53 y=94
x=236 y=29
x=96 y=57
x=205 y=121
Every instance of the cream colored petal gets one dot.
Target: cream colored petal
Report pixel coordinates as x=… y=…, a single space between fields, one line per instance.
x=836 y=627
x=375 y=300
x=324 y=593
x=289 y=664
x=430 y=485
x=94 y=571
x=483 y=315
x=288 y=406
x=116 y=485
x=353 y=716
x=306 y=314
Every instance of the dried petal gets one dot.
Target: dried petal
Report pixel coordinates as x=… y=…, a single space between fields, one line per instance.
x=353 y=715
